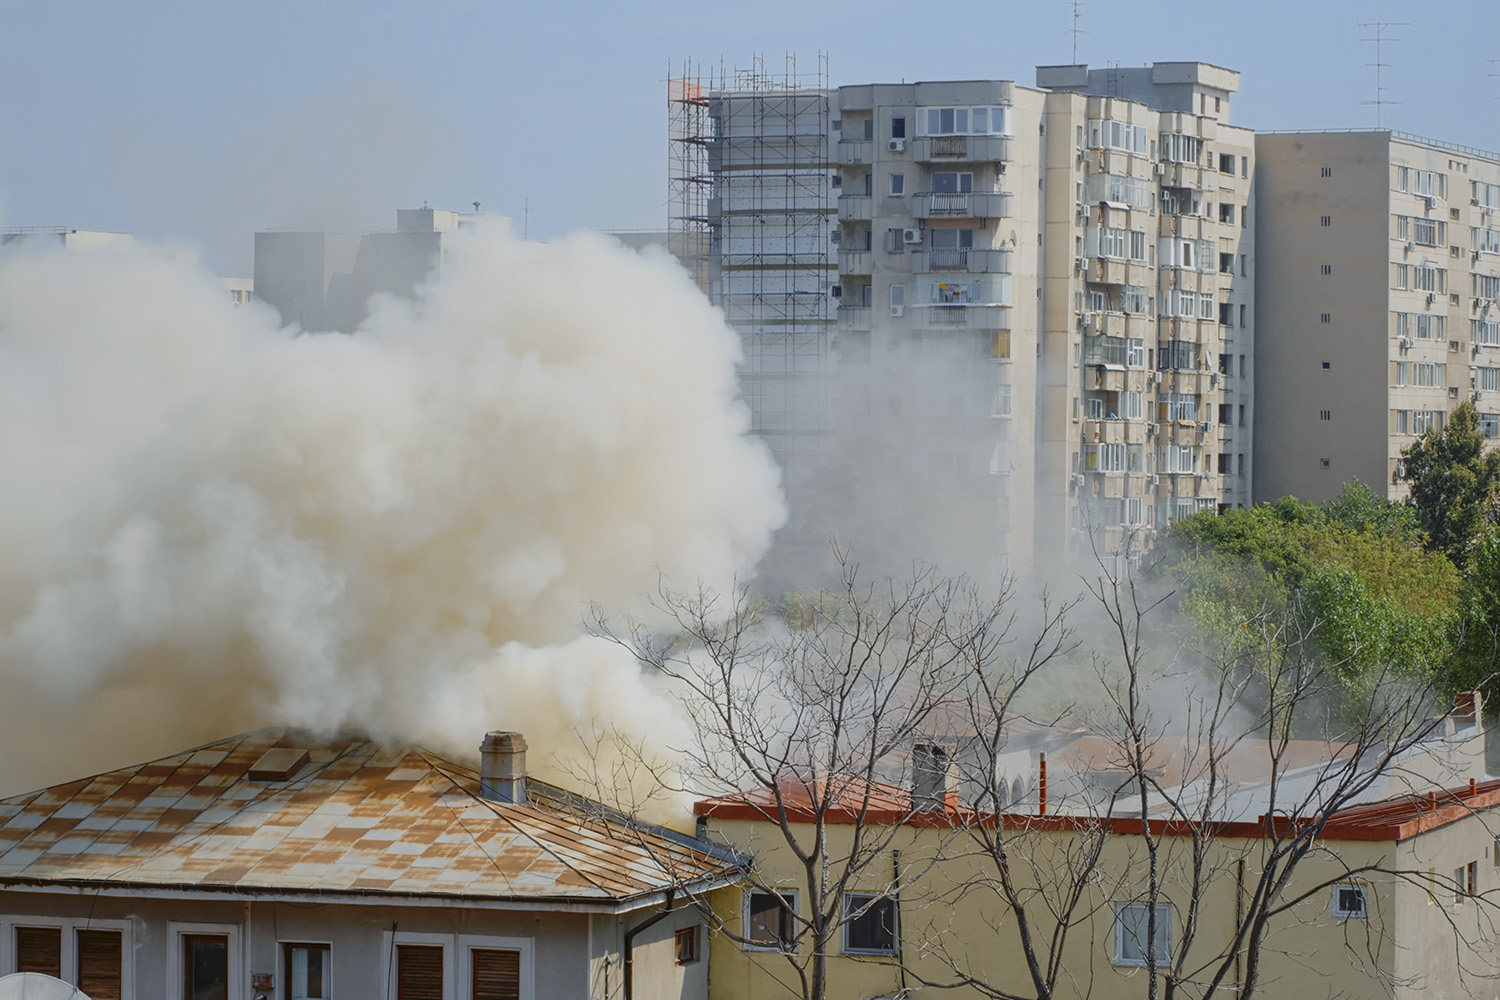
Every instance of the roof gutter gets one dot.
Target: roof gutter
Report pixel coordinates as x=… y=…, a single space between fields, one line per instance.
x=629 y=946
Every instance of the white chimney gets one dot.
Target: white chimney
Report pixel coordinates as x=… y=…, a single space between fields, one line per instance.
x=502 y=768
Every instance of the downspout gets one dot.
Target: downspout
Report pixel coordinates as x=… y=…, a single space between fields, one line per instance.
x=629 y=946
x=1041 y=786
x=896 y=903
x=1239 y=921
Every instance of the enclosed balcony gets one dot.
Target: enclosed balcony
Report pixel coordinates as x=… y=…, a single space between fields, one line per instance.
x=965 y=205
x=856 y=207
x=966 y=259
x=962 y=149
x=852 y=152
x=854 y=261
x=969 y=317
x=854 y=318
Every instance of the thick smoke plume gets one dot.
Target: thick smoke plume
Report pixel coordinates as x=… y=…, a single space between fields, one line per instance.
x=210 y=524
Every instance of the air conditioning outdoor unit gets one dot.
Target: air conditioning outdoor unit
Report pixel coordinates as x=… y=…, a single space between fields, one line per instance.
x=1161 y=168
x=1155 y=480
x=911 y=236
x=1158 y=378
x=897 y=145
x=897 y=310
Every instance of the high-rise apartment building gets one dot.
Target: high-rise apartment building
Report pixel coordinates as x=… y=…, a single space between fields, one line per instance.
x=1045 y=310
x=1378 y=289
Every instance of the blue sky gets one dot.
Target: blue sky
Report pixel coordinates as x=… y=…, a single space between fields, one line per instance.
x=201 y=122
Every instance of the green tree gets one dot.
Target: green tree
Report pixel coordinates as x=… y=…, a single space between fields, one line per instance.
x=1453 y=482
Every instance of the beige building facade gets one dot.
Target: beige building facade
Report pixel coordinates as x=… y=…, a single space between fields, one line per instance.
x=1045 y=318
x=1378 y=287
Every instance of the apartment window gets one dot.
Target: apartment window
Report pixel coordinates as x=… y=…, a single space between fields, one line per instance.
x=1226 y=212
x=1326 y=269
x=898 y=185
x=205 y=968
x=1105 y=134
x=1242 y=266
x=1403 y=279
x=1119 y=189
x=1224 y=463
x=1428 y=183
x=1226 y=263
x=1349 y=902
x=1135 y=352
x=1487 y=379
x=898 y=128
x=1485 y=240
x=1328 y=366
x=1424 y=420
x=898 y=296
x=1325 y=414
x=952 y=239
x=1428 y=375
x=1002 y=400
x=1327 y=221
x=1131 y=405
x=1134 y=940
x=1242 y=315
x=1426 y=278
x=1489 y=424
x=769 y=919
x=1403 y=179
x=869 y=124
x=1485 y=333
x=1487 y=286
x=952 y=182
x=870 y=924
x=1427 y=233
x=1133 y=299
x=1324 y=463
x=1244 y=166
x=1093 y=408
x=686 y=945
x=1403 y=227
x=39 y=949
x=1326 y=171
x=1242 y=416
x=1401 y=421
x=1325 y=318
x=1226 y=161
x=963 y=121
x=1226 y=413
x=1181 y=354
x=1226 y=313
x=1177 y=406
x=1485 y=195
x=1176 y=148
x=1180 y=459
x=308 y=971
x=495 y=972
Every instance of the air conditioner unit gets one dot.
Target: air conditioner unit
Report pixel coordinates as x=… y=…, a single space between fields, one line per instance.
x=911 y=236
x=1155 y=480
x=836 y=237
x=897 y=145
x=1158 y=378
x=1161 y=168
x=1150 y=429
x=1429 y=199
x=898 y=310
x=1213 y=378
x=1430 y=298
x=1081 y=264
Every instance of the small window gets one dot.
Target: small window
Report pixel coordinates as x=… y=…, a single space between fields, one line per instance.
x=39 y=949
x=1244 y=166
x=309 y=971
x=898 y=185
x=1326 y=171
x=1349 y=902
x=99 y=962
x=770 y=920
x=686 y=945
x=496 y=972
x=1325 y=318
x=898 y=128
x=205 y=967
x=1324 y=463
x=1132 y=933
x=1326 y=269
x=1328 y=366
x=1325 y=414
x=419 y=972
x=870 y=924
x=1327 y=221
x=869 y=124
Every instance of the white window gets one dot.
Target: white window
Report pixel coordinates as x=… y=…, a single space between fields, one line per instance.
x=1179 y=354
x=1134 y=192
x=952 y=182
x=1401 y=367
x=1489 y=424
x=1426 y=278
x=1428 y=183
x=1430 y=327
x=1134 y=510
x=1402 y=276
x=1093 y=408
x=1180 y=459
x=987 y=120
x=1485 y=195
x=1401 y=421
x=1177 y=148
x=1486 y=240
x=1425 y=420
x=1487 y=379
x=1135 y=352
x=869 y=924
x=1134 y=298
x=1104 y=458
x=1349 y=902
x=1133 y=938
x=1428 y=375
x=952 y=239
x=770 y=919
x=1131 y=404
x=1177 y=406
x=1426 y=232
x=1002 y=400
x=1403 y=227
x=1106 y=134
x=1403 y=324
x=1486 y=333
x=1403 y=179
x=898 y=296
x=308 y=970
x=1487 y=286
x=898 y=185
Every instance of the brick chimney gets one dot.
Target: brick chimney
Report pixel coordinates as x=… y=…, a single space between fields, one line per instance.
x=502 y=768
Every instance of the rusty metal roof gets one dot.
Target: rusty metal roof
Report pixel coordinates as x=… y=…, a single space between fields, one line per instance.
x=356 y=818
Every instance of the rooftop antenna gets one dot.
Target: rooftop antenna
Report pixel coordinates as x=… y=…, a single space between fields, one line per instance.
x=526 y=220
x=1492 y=62
x=1380 y=27
x=1076 y=29
x=476 y=208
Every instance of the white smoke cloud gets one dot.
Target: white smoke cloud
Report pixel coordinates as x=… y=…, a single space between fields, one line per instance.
x=211 y=525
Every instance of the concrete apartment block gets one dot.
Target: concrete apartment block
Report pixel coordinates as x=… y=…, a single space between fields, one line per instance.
x=1378 y=290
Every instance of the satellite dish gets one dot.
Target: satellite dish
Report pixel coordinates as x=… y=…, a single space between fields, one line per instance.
x=35 y=986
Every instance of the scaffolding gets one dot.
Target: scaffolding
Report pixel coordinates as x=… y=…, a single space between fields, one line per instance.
x=753 y=172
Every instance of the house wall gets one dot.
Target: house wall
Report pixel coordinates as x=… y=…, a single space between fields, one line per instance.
x=951 y=908
x=570 y=955
x=1433 y=957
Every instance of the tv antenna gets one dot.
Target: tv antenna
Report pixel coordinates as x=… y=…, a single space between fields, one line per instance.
x=1380 y=28
x=1076 y=30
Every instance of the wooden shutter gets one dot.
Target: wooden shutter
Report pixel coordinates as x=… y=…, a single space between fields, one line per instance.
x=99 y=964
x=497 y=974
x=39 y=949
x=419 y=972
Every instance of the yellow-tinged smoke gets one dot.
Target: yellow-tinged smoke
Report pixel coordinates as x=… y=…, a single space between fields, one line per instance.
x=209 y=524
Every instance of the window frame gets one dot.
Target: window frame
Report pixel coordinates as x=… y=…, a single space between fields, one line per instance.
x=1163 y=909
x=1338 y=912
x=790 y=898
x=286 y=947
x=872 y=899
x=177 y=930
x=463 y=960
x=390 y=940
x=691 y=933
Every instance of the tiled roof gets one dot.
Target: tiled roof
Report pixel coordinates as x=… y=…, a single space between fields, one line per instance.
x=357 y=818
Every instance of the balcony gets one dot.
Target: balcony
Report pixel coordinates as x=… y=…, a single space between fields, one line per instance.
x=973 y=205
x=854 y=261
x=856 y=207
x=854 y=318
x=962 y=149
x=967 y=317
x=852 y=152
x=972 y=260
